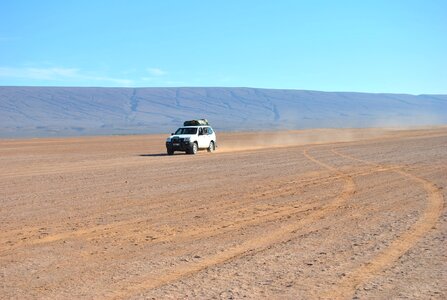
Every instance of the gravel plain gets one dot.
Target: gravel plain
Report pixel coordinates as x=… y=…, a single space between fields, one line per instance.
x=331 y=214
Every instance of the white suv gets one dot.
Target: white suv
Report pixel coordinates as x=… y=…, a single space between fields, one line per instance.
x=191 y=138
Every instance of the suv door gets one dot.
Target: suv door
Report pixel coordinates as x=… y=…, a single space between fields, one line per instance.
x=203 y=138
x=211 y=134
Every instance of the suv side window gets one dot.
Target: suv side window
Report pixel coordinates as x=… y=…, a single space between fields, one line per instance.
x=205 y=131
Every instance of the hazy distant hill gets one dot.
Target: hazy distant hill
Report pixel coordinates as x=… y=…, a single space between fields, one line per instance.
x=48 y=111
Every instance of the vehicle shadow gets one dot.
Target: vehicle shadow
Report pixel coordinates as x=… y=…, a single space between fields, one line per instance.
x=159 y=154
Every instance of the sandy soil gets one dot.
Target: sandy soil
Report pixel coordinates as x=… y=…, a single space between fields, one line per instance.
x=291 y=215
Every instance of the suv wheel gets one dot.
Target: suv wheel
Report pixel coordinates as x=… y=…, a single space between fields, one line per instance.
x=170 y=151
x=212 y=147
x=193 y=149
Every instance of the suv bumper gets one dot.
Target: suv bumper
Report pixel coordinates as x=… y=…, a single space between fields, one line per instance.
x=178 y=146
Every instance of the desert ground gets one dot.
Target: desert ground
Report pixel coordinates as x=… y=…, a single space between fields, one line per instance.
x=332 y=214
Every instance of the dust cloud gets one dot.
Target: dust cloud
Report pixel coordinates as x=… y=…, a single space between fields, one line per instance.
x=262 y=140
x=410 y=121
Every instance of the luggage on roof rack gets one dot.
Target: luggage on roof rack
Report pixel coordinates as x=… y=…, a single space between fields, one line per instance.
x=198 y=122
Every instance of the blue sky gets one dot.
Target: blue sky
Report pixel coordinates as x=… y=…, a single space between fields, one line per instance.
x=368 y=46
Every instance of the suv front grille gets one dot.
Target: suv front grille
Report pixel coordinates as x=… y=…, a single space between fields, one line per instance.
x=177 y=140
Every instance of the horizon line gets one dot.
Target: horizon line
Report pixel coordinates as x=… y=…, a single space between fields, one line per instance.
x=217 y=87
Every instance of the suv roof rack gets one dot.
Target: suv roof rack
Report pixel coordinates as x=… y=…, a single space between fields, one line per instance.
x=197 y=122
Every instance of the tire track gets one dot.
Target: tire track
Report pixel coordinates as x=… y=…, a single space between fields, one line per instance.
x=250 y=246
x=229 y=204
x=434 y=206
x=91 y=231
x=258 y=216
x=75 y=168
x=302 y=232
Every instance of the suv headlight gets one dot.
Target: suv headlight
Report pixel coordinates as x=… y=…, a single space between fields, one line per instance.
x=168 y=139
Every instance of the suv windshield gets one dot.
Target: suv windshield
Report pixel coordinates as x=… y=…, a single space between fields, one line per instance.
x=186 y=131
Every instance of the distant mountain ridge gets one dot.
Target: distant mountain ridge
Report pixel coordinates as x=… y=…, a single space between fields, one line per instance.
x=65 y=111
